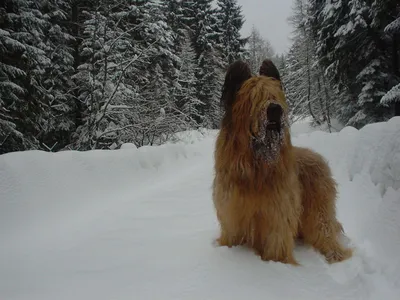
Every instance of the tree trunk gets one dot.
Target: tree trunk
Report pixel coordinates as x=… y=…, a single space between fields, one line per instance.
x=75 y=34
x=327 y=104
x=396 y=67
x=309 y=87
x=323 y=112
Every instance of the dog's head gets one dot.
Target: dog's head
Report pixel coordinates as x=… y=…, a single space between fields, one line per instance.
x=256 y=110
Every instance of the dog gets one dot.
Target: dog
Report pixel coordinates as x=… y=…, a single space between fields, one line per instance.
x=266 y=192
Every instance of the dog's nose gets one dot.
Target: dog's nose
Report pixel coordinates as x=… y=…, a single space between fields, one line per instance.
x=274 y=112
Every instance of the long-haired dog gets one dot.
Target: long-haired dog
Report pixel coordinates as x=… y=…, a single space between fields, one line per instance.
x=268 y=193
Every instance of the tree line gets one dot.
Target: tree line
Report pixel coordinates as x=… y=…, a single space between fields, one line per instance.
x=85 y=74
x=344 y=61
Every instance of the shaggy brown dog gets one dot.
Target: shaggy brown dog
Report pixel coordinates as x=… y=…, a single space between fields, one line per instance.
x=267 y=193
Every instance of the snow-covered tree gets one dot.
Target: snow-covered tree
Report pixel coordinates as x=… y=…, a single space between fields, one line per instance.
x=161 y=71
x=172 y=10
x=11 y=137
x=105 y=53
x=230 y=22
x=354 y=52
x=209 y=84
x=258 y=49
x=201 y=20
x=95 y=74
x=184 y=91
x=392 y=97
x=23 y=62
x=57 y=121
x=158 y=116
x=308 y=89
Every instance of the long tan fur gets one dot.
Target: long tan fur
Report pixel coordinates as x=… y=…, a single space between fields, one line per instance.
x=268 y=205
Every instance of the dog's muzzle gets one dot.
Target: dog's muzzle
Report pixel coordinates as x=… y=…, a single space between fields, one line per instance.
x=274 y=117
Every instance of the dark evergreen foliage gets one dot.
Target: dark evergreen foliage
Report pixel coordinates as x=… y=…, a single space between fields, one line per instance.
x=350 y=49
x=95 y=74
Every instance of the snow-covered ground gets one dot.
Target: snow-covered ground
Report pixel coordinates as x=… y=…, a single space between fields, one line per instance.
x=139 y=224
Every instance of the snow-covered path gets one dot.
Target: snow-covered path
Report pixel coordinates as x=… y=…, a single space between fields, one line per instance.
x=139 y=224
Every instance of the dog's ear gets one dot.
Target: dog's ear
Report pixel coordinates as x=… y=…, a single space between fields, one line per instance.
x=269 y=69
x=238 y=72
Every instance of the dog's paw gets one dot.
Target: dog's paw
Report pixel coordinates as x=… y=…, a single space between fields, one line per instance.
x=338 y=255
x=222 y=242
x=215 y=243
x=230 y=242
x=284 y=260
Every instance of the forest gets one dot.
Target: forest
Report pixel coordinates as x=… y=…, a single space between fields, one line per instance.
x=344 y=61
x=86 y=74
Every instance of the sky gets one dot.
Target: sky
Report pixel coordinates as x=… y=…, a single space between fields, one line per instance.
x=270 y=18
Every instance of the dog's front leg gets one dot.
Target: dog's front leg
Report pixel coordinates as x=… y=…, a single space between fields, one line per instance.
x=279 y=245
x=229 y=241
x=281 y=223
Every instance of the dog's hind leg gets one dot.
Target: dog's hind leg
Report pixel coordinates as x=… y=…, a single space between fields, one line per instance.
x=319 y=226
x=323 y=235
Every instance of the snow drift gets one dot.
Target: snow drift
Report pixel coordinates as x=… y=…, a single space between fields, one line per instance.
x=139 y=224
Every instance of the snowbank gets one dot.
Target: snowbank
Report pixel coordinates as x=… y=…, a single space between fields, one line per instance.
x=366 y=164
x=139 y=224
x=38 y=187
x=303 y=126
x=192 y=136
x=377 y=152
x=373 y=150
x=128 y=146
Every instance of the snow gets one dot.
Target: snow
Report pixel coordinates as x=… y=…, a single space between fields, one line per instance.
x=4 y=33
x=140 y=224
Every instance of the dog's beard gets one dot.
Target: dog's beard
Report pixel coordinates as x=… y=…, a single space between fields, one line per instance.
x=269 y=140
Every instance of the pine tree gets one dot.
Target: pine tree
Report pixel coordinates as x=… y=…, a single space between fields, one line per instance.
x=161 y=73
x=201 y=19
x=308 y=89
x=57 y=120
x=230 y=22
x=184 y=91
x=202 y=22
x=159 y=117
x=105 y=53
x=209 y=83
x=11 y=138
x=23 y=62
x=94 y=74
x=258 y=49
x=172 y=10
x=189 y=12
x=392 y=97
x=352 y=49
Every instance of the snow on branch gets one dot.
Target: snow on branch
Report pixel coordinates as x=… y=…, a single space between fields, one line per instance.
x=121 y=76
x=392 y=96
x=393 y=27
